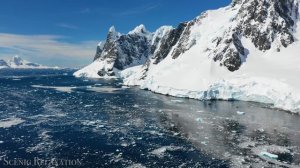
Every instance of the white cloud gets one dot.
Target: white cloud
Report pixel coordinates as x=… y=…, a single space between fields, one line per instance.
x=67 y=26
x=138 y=10
x=47 y=47
x=85 y=11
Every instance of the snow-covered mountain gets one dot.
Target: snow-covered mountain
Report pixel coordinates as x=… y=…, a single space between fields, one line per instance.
x=3 y=64
x=18 y=62
x=245 y=51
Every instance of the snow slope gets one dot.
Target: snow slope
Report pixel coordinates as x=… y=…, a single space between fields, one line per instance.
x=91 y=71
x=268 y=77
x=227 y=54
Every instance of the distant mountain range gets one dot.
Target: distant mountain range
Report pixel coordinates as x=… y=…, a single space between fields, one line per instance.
x=18 y=63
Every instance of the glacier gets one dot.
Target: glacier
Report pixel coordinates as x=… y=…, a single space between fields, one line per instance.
x=223 y=54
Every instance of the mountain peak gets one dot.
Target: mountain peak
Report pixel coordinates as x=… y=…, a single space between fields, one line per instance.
x=112 y=29
x=112 y=33
x=17 y=60
x=141 y=29
x=3 y=64
x=236 y=2
x=16 y=56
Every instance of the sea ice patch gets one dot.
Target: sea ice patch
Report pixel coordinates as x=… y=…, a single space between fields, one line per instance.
x=200 y=120
x=57 y=88
x=269 y=155
x=89 y=105
x=240 y=113
x=103 y=89
x=177 y=101
x=160 y=152
x=79 y=88
x=9 y=122
x=136 y=165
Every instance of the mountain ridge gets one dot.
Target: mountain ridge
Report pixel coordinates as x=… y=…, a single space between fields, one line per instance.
x=212 y=51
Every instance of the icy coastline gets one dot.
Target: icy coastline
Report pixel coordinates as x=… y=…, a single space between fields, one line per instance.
x=254 y=90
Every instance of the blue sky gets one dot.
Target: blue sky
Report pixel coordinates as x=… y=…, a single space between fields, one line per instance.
x=66 y=32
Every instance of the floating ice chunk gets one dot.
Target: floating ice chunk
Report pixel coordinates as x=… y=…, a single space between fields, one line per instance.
x=261 y=130
x=160 y=152
x=57 y=88
x=102 y=89
x=177 y=101
x=1 y=142
x=203 y=143
x=89 y=105
x=124 y=144
x=247 y=144
x=79 y=88
x=199 y=120
x=136 y=106
x=240 y=113
x=271 y=151
x=137 y=165
x=268 y=155
x=6 y=123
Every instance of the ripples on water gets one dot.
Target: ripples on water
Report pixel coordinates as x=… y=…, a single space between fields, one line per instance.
x=49 y=114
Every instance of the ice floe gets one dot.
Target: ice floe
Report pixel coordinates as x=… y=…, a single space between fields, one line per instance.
x=9 y=122
x=269 y=155
x=160 y=152
x=79 y=88
x=240 y=113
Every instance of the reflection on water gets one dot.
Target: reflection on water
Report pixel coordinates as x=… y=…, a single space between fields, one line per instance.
x=220 y=130
x=106 y=124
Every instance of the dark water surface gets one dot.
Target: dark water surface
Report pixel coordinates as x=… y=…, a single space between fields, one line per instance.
x=48 y=114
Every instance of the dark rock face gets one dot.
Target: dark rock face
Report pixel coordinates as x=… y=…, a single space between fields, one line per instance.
x=99 y=50
x=104 y=72
x=229 y=50
x=236 y=2
x=123 y=50
x=132 y=47
x=186 y=41
x=161 y=44
x=273 y=19
x=263 y=22
x=169 y=42
x=109 y=51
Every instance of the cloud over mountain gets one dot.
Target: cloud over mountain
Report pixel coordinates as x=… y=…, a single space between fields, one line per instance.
x=46 y=47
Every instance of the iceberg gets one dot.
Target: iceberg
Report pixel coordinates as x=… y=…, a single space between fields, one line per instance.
x=268 y=155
